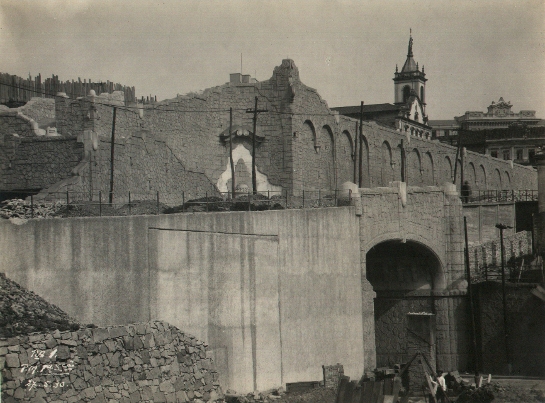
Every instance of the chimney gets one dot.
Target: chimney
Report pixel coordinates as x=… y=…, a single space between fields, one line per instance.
x=235 y=78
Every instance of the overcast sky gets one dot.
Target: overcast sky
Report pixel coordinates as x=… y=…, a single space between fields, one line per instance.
x=473 y=51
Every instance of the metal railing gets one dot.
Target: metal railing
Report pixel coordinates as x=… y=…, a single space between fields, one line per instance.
x=77 y=204
x=496 y=196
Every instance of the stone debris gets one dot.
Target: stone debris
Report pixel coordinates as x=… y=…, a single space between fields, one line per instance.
x=141 y=362
x=23 y=312
x=18 y=208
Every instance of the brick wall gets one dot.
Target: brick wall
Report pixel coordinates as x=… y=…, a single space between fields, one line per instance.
x=141 y=362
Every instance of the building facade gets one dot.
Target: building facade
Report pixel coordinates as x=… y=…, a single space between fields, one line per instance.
x=499 y=132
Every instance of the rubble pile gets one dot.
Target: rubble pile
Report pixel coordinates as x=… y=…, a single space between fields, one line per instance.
x=317 y=395
x=23 y=312
x=18 y=208
x=140 y=362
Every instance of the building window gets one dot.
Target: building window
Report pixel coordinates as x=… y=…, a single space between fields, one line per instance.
x=447 y=133
x=520 y=155
x=506 y=154
x=406 y=93
x=531 y=154
x=494 y=153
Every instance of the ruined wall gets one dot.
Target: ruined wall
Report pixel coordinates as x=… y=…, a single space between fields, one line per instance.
x=301 y=143
x=266 y=290
x=37 y=162
x=526 y=329
x=133 y=363
x=143 y=166
x=16 y=123
x=41 y=110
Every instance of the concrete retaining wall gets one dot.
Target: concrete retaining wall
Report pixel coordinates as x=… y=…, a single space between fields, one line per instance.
x=275 y=294
x=135 y=363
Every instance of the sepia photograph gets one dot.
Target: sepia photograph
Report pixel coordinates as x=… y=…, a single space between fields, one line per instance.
x=258 y=201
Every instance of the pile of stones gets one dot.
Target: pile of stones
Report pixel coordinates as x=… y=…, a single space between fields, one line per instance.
x=142 y=362
x=18 y=208
x=23 y=312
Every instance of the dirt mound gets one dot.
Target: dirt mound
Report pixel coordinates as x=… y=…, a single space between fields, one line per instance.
x=23 y=312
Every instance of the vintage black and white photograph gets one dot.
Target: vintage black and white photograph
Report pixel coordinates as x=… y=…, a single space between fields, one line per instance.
x=258 y=201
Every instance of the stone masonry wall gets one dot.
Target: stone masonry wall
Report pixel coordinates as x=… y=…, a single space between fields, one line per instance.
x=37 y=162
x=14 y=123
x=302 y=144
x=145 y=362
x=526 y=329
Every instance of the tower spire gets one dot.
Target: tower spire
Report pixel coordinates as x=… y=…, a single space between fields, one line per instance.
x=410 y=51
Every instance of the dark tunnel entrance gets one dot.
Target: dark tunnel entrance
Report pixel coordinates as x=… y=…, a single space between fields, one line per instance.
x=403 y=274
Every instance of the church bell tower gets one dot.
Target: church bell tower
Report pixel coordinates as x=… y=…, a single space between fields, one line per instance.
x=410 y=81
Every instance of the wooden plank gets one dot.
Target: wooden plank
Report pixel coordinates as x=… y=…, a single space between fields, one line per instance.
x=367 y=392
x=342 y=388
x=349 y=391
x=396 y=387
x=388 y=386
x=377 y=392
x=357 y=394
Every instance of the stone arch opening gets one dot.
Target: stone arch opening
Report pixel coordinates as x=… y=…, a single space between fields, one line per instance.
x=386 y=164
x=428 y=170
x=447 y=173
x=498 y=179
x=403 y=266
x=402 y=171
x=414 y=165
x=366 y=180
x=345 y=160
x=326 y=150
x=482 y=179
x=507 y=180
x=471 y=176
x=404 y=276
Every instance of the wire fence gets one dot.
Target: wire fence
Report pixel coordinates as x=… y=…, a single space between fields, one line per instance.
x=81 y=204
x=495 y=196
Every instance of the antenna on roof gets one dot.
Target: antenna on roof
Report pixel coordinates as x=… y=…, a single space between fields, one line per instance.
x=241 y=63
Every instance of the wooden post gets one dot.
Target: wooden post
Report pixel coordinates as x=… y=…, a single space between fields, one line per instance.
x=233 y=186
x=254 y=177
x=470 y=297
x=112 y=147
x=360 y=170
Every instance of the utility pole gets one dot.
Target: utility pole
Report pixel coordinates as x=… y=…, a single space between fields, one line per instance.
x=470 y=297
x=255 y=111
x=355 y=157
x=233 y=186
x=112 y=147
x=360 y=170
x=501 y=227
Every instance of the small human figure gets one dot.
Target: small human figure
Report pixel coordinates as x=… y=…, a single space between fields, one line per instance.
x=466 y=192
x=440 y=386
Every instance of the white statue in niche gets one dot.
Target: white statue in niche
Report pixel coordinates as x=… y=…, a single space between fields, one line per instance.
x=241 y=153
